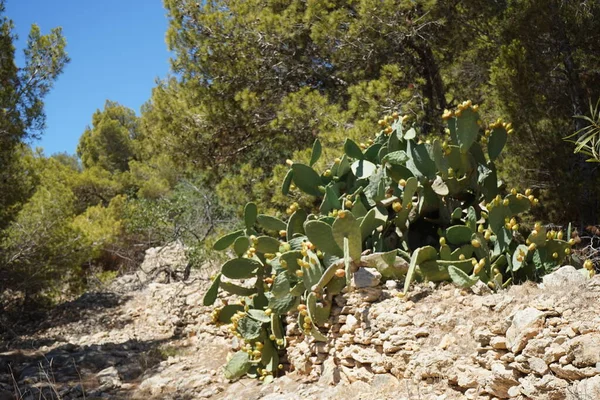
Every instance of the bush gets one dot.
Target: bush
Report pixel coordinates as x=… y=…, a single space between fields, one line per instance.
x=429 y=210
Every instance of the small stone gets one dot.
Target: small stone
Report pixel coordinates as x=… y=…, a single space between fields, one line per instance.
x=366 y=278
x=564 y=276
x=498 y=342
x=526 y=324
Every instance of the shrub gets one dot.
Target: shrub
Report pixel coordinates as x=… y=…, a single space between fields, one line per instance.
x=415 y=210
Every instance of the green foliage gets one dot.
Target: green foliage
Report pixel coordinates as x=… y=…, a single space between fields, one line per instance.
x=110 y=142
x=436 y=203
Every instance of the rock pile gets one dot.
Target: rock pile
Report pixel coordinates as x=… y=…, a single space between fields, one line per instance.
x=529 y=342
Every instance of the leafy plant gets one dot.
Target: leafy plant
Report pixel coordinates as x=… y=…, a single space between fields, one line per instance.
x=416 y=210
x=587 y=139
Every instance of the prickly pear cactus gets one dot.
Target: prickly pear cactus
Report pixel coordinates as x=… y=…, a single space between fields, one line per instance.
x=415 y=210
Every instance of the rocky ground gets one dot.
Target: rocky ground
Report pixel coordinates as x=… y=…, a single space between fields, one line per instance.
x=154 y=341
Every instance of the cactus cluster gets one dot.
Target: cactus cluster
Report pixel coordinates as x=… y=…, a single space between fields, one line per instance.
x=415 y=210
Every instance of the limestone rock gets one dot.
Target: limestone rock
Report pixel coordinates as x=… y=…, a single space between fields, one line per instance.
x=584 y=350
x=501 y=380
x=366 y=278
x=525 y=325
x=564 y=276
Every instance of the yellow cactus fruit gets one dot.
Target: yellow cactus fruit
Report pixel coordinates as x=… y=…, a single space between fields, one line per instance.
x=289 y=162
x=475 y=243
x=559 y=235
x=571 y=242
x=442 y=241
x=474 y=262
x=447 y=115
x=340 y=273
x=382 y=122
x=588 y=264
x=342 y=214
x=531 y=198
x=567 y=251
x=299 y=273
x=461 y=257
x=555 y=255
x=487 y=235
x=532 y=247
x=515 y=227
x=348 y=204
x=475 y=107
x=397 y=206
x=528 y=192
x=282 y=233
x=513 y=191
x=395 y=115
x=402 y=183
x=388 y=130
x=505 y=202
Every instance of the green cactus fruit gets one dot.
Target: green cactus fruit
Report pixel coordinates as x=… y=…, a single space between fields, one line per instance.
x=250 y=214
x=237 y=366
x=460 y=278
x=271 y=223
x=307 y=179
x=347 y=227
x=267 y=244
x=295 y=224
x=316 y=152
x=240 y=268
x=211 y=295
x=459 y=235
x=227 y=240
x=419 y=256
x=241 y=245
x=496 y=142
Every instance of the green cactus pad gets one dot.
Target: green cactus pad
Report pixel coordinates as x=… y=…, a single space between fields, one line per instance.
x=539 y=239
x=518 y=204
x=227 y=240
x=496 y=142
x=237 y=366
x=458 y=235
x=271 y=223
x=229 y=311
x=321 y=235
x=371 y=221
x=267 y=244
x=313 y=273
x=348 y=228
x=467 y=129
x=240 y=268
x=363 y=169
x=523 y=251
x=330 y=201
x=269 y=357
x=420 y=163
x=259 y=315
x=420 y=255
x=249 y=328
x=287 y=182
x=211 y=294
x=241 y=245
x=352 y=150
x=460 y=278
x=296 y=223
x=307 y=179
x=250 y=214
x=316 y=152
x=396 y=158
x=237 y=290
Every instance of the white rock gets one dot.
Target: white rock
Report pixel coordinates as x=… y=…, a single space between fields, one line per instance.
x=564 y=276
x=525 y=325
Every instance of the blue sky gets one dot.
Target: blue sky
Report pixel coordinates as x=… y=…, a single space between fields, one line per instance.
x=117 y=50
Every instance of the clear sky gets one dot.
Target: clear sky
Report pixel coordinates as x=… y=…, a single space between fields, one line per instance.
x=117 y=50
